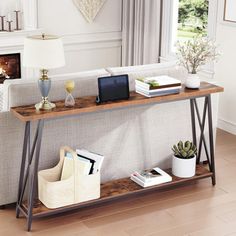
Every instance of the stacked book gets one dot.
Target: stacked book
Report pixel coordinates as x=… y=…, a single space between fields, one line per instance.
x=152 y=177
x=87 y=162
x=157 y=86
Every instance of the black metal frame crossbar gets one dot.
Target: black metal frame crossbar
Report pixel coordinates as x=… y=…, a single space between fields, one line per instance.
x=29 y=168
x=207 y=111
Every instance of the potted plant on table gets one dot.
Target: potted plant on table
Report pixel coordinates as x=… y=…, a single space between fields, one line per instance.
x=193 y=54
x=184 y=159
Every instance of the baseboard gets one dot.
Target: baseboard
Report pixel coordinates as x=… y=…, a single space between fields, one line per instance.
x=227 y=126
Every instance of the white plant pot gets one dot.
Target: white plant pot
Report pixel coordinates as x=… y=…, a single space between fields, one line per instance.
x=184 y=168
x=192 y=81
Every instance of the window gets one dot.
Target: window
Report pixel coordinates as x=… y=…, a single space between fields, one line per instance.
x=192 y=18
x=184 y=19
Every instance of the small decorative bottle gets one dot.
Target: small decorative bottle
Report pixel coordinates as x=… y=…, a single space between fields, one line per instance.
x=70 y=101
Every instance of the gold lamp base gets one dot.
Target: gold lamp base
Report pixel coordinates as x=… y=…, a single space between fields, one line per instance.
x=44 y=84
x=45 y=105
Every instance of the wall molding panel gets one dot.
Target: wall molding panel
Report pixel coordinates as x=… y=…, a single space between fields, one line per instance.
x=87 y=46
x=93 y=38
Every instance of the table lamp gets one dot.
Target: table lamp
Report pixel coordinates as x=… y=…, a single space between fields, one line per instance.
x=43 y=52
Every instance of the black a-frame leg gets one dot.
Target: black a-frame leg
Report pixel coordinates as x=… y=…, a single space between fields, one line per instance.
x=29 y=171
x=207 y=112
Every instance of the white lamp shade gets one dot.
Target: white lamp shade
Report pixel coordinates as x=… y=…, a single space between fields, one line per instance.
x=43 y=52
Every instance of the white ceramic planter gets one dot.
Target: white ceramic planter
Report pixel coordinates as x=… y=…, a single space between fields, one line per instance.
x=184 y=168
x=192 y=81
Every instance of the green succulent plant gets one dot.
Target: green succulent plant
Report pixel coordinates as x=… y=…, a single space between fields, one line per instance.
x=185 y=150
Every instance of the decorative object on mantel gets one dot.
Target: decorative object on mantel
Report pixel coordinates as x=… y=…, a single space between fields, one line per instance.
x=9 y=22
x=193 y=54
x=89 y=8
x=2 y=23
x=70 y=101
x=184 y=159
x=9 y=19
x=44 y=52
x=17 y=20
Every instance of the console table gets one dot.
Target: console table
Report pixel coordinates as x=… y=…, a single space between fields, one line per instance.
x=32 y=208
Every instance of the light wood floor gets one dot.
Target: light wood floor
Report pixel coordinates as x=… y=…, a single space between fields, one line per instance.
x=198 y=210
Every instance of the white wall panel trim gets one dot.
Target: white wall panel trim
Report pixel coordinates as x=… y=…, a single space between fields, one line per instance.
x=92 y=38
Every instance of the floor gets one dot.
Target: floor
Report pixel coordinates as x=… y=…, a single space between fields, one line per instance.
x=195 y=210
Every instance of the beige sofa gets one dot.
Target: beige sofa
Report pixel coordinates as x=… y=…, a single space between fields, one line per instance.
x=130 y=139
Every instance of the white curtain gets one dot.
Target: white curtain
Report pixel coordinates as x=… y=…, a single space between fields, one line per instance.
x=141 y=32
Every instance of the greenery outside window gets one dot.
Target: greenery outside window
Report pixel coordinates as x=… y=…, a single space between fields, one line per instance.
x=192 y=18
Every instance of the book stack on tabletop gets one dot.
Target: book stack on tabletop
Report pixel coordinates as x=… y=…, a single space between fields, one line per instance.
x=157 y=86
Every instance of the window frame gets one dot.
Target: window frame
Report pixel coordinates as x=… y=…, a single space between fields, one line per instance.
x=167 y=31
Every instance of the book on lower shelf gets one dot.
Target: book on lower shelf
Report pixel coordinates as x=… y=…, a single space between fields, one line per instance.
x=157 y=86
x=87 y=163
x=95 y=159
x=148 y=178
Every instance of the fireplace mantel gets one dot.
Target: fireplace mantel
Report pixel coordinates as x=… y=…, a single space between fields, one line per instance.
x=12 y=42
x=15 y=39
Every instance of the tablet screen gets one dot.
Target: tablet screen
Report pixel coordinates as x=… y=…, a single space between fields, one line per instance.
x=113 y=88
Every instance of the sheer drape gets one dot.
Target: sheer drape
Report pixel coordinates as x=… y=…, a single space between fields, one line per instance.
x=141 y=32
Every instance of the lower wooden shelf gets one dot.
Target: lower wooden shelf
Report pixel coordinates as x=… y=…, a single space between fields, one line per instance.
x=116 y=189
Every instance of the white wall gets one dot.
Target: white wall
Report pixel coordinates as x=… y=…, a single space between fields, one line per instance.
x=226 y=72
x=7 y=6
x=87 y=46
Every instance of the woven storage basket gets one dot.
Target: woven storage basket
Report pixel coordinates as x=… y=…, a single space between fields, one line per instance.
x=54 y=193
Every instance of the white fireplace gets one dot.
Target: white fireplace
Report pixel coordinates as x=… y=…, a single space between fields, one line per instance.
x=13 y=42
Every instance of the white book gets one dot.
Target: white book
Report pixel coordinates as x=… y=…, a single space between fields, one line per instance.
x=162 y=177
x=173 y=91
x=156 y=91
x=94 y=156
x=68 y=166
x=163 y=81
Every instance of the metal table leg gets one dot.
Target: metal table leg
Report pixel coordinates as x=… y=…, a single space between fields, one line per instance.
x=29 y=171
x=193 y=122
x=33 y=175
x=202 y=123
x=211 y=140
x=22 y=169
x=207 y=110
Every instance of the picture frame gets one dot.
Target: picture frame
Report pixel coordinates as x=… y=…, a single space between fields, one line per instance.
x=229 y=11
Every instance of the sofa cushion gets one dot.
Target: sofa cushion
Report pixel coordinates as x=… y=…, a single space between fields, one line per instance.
x=26 y=92
x=134 y=72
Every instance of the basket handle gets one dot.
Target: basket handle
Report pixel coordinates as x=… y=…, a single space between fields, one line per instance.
x=65 y=149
